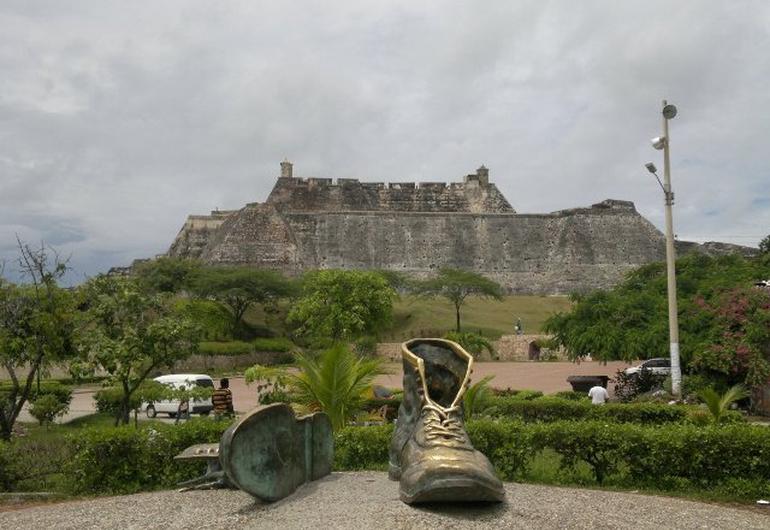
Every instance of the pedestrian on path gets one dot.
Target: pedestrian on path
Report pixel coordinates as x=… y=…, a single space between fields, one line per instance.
x=598 y=395
x=222 y=399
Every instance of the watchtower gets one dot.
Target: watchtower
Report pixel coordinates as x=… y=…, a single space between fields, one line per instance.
x=286 y=169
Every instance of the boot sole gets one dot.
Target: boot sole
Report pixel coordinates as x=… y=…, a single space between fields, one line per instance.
x=270 y=452
x=454 y=489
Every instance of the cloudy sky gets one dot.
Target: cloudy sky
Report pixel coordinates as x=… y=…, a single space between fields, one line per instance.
x=118 y=119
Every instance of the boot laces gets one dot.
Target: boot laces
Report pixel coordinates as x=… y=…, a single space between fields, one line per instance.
x=441 y=423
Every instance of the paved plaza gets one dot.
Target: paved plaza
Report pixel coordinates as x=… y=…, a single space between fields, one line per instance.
x=370 y=500
x=547 y=377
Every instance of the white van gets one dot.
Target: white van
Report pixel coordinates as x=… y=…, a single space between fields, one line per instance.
x=170 y=406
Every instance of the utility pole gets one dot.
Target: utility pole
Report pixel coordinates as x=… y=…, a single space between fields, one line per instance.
x=669 y=111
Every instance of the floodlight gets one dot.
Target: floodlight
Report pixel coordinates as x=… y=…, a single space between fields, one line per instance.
x=651 y=168
x=669 y=111
x=659 y=142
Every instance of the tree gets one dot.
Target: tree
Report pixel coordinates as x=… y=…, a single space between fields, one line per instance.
x=166 y=274
x=238 y=288
x=130 y=334
x=630 y=321
x=764 y=245
x=342 y=305
x=336 y=382
x=737 y=346
x=37 y=321
x=456 y=285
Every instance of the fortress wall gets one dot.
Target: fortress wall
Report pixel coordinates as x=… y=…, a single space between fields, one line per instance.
x=313 y=195
x=552 y=253
x=196 y=232
x=527 y=254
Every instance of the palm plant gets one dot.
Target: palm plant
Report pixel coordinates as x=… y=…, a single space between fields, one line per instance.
x=717 y=404
x=476 y=397
x=335 y=382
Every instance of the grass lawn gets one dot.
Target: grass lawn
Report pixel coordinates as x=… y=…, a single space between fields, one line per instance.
x=415 y=316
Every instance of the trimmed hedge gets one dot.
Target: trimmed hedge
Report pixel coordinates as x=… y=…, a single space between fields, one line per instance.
x=237 y=347
x=663 y=456
x=62 y=392
x=550 y=409
x=357 y=448
x=126 y=460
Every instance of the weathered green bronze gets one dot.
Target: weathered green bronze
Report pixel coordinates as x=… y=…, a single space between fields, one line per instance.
x=430 y=453
x=214 y=477
x=270 y=452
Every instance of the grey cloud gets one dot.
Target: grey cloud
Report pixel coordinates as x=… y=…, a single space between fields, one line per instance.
x=121 y=119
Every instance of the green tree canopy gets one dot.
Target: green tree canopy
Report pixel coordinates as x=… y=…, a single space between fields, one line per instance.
x=238 y=288
x=456 y=285
x=631 y=321
x=166 y=274
x=764 y=245
x=342 y=305
x=129 y=334
x=37 y=321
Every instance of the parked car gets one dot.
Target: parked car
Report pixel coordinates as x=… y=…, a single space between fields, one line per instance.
x=657 y=366
x=170 y=406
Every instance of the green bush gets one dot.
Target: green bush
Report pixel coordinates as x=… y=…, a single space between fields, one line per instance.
x=36 y=463
x=571 y=395
x=237 y=347
x=126 y=459
x=8 y=473
x=62 y=392
x=275 y=344
x=366 y=346
x=234 y=347
x=732 y=460
x=550 y=409
x=47 y=407
x=508 y=445
x=362 y=448
x=108 y=400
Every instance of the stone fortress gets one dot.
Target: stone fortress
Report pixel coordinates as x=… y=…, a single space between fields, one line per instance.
x=418 y=228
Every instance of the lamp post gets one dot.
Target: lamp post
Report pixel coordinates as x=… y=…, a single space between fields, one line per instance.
x=662 y=142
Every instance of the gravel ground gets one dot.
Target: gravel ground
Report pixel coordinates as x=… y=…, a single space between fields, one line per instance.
x=369 y=499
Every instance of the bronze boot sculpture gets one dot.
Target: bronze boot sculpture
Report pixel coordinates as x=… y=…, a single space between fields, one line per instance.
x=270 y=452
x=430 y=453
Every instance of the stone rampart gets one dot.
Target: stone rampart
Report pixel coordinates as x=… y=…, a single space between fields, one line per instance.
x=553 y=253
x=418 y=228
x=313 y=195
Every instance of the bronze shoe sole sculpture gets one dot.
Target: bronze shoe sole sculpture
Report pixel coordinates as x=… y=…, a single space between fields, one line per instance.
x=430 y=454
x=270 y=452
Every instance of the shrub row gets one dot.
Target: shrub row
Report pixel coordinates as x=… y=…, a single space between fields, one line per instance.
x=237 y=347
x=550 y=409
x=126 y=459
x=640 y=455
x=62 y=392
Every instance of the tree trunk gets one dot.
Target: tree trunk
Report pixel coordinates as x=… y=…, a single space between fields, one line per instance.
x=125 y=412
x=457 y=315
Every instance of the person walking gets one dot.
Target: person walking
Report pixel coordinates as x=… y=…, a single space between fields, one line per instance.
x=598 y=395
x=183 y=410
x=222 y=399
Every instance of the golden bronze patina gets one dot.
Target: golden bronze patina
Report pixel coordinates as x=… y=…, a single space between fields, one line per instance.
x=430 y=453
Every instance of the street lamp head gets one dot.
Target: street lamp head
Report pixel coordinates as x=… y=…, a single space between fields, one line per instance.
x=651 y=167
x=658 y=142
x=669 y=112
